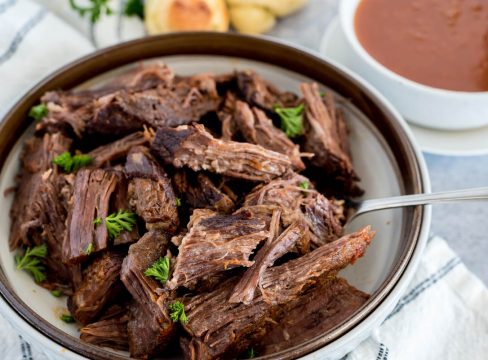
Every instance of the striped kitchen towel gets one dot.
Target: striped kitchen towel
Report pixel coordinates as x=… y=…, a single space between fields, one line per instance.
x=33 y=43
x=35 y=39
x=441 y=316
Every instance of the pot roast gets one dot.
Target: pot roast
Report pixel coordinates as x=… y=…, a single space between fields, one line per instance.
x=202 y=213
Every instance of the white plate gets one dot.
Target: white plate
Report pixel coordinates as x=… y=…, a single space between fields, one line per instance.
x=454 y=143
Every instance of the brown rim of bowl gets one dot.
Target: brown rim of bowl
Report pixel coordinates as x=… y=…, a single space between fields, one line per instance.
x=239 y=46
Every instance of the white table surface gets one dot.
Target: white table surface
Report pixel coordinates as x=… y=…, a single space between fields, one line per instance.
x=463 y=225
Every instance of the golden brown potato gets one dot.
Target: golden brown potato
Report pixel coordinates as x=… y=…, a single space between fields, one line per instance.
x=276 y=7
x=186 y=15
x=251 y=19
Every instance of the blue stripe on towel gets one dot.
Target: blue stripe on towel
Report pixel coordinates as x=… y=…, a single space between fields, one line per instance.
x=383 y=352
x=424 y=285
x=29 y=351
x=33 y=21
x=25 y=349
x=4 y=5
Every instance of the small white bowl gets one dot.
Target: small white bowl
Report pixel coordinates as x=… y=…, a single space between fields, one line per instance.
x=421 y=104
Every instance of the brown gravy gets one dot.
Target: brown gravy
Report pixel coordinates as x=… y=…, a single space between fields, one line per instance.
x=441 y=43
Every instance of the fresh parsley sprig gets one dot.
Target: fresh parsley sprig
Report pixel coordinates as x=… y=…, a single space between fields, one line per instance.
x=117 y=222
x=68 y=319
x=304 y=185
x=134 y=8
x=38 y=112
x=89 y=249
x=159 y=270
x=291 y=120
x=94 y=10
x=57 y=293
x=120 y=221
x=31 y=262
x=72 y=163
x=177 y=312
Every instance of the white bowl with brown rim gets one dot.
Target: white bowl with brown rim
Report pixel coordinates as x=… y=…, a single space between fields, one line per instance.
x=384 y=154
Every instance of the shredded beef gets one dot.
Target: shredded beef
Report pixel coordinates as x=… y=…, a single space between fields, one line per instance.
x=150 y=192
x=192 y=146
x=240 y=226
x=216 y=243
x=275 y=247
x=100 y=285
x=220 y=329
x=199 y=191
x=258 y=92
x=26 y=211
x=326 y=137
x=92 y=193
x=258 y=129
x=315 y=313
x=281 y=284
x=150 y=328
x=110 y=331
x=116 y=150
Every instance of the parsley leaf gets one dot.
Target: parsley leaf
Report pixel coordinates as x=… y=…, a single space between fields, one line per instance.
x=177 y=312
x=178 y=201
x=38 y=112
x=97 y=221
x=68 y=319
x=31 y=262
x=89 y=249
x=72 y=163
x=118 y=222
x=134 y=8
x=304 y=185
x=56 y=293
x=159 y=270
x=291 y=120
x=94 y=10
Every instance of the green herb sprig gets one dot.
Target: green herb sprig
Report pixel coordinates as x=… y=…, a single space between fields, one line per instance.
x=304 y=185
x=117 y=222
x=291 y=120
x=72 y=163
x=38 y=112
x=134 y=8
x=68 y=319
x=31 y=262
x=177 y=312
x=89 y=249
x=56 y=293
x=94 y=10
x=159 y=270
x=178 y=202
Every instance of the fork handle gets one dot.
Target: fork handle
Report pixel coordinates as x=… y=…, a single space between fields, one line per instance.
x=480 y=193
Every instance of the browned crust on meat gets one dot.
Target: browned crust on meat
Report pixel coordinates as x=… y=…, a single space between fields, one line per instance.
x=192 y=146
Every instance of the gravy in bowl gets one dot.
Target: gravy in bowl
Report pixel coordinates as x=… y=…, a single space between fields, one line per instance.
x=439 y=43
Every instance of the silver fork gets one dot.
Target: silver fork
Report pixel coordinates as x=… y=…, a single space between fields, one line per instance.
x=420 y=199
